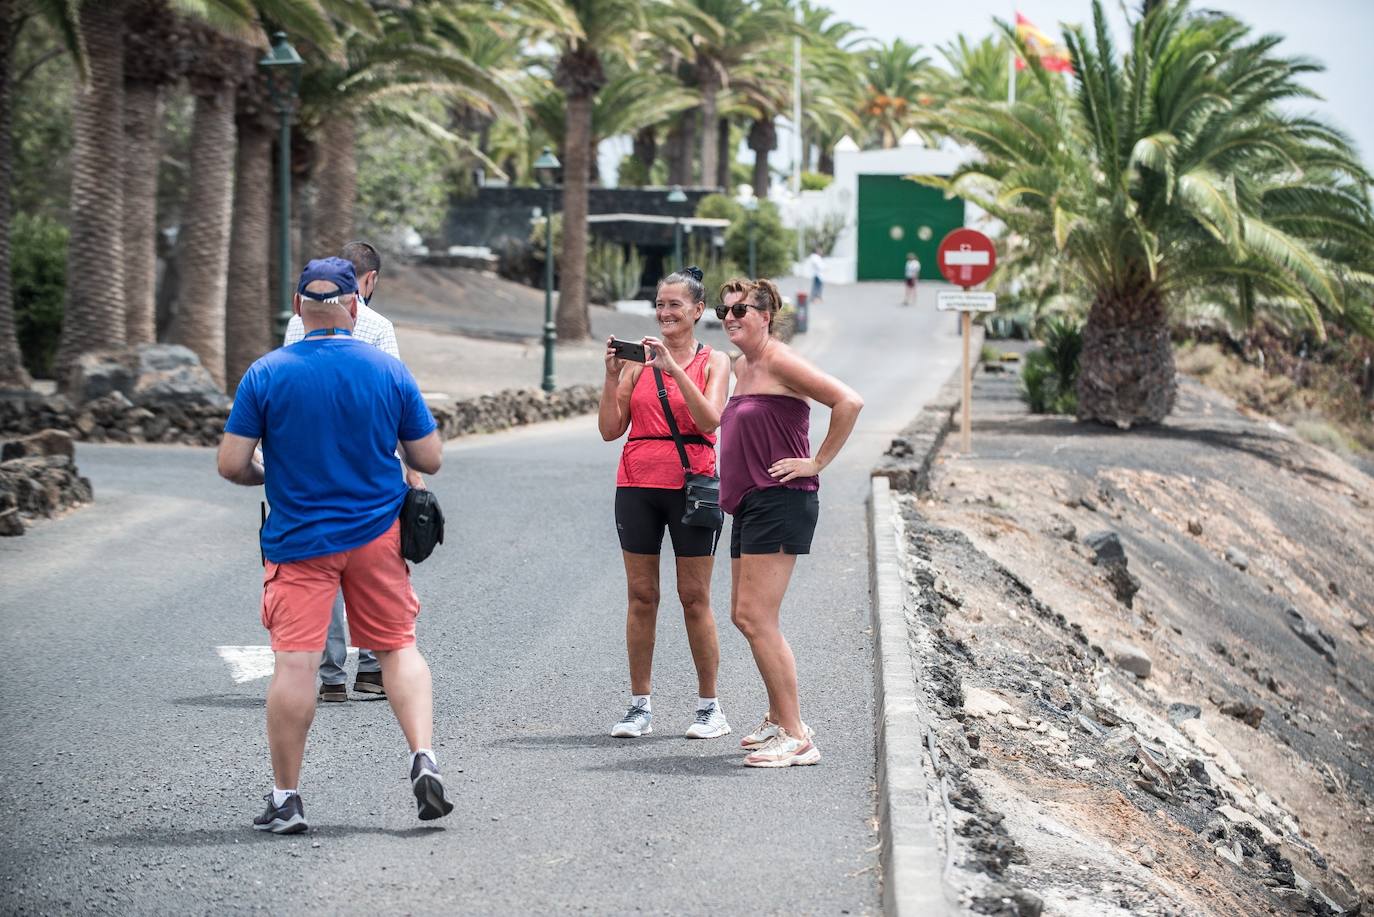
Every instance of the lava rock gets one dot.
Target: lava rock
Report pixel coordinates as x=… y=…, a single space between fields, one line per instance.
x=1312 y=635
x=1237 y=558
x=1111 y=557
x=1249 y=714
x=1106 y=546
x=46 y=442
x=1180 y=712
x=1131 y=658
x=1194 y=527
x=1005 y=901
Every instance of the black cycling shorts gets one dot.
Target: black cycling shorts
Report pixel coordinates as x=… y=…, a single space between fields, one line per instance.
x=773 y=519
x=641 y=514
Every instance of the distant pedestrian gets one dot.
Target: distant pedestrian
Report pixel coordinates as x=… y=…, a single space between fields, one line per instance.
x=372 y=328
x=649 y=494
x=768 y=483
x=815 y=266
x=912 y=272
x=329 y=413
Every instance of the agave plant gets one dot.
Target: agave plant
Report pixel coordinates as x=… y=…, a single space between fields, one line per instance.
x=1171 y=172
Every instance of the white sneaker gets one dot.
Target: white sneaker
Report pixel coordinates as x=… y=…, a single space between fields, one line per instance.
x=765 y=731
x=635 y=723
x=784 y=750
x=710 y=724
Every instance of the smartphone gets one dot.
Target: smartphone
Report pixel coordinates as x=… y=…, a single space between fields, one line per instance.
x=628 y=350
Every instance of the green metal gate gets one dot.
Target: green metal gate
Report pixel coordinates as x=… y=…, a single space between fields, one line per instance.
x=897 y=216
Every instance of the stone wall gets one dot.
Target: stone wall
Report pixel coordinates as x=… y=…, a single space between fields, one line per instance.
x=38 y=477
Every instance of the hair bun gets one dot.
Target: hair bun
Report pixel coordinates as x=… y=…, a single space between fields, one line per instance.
x=694 y=272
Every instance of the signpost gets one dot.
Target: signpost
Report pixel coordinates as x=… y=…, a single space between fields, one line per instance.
x=966 y=257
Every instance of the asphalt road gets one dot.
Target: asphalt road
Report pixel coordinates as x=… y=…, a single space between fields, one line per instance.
x=133 y=760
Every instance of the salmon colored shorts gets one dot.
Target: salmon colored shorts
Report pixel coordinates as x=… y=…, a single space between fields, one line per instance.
x=298 y=597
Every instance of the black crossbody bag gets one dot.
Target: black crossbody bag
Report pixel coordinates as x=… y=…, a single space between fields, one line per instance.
x=422 y=524
x=702 y=490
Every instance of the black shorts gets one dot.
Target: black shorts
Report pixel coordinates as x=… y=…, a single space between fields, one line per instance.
x=775 y=518
x=641 y=514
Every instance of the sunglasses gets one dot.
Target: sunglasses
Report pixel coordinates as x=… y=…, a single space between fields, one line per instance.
x=739 y=310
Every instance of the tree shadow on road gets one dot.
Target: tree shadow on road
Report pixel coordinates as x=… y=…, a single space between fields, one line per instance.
x=588 y=740
x=238 y=836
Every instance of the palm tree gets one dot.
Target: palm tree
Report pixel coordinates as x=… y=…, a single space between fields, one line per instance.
x=980 y=71
x=152 y=60
x=248 y=308
x=93 y=316
x=12 y=372
x=603 y=28
x=897 y=77
x=1171 y=174
x=832 y=83
x=219 y=64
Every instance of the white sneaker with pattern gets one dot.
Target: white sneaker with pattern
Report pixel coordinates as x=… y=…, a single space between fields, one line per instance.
x=784 y=750
x=710 y=723
x=765 y=731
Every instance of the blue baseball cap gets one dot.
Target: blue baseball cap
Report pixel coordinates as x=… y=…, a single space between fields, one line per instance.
x=331 y=270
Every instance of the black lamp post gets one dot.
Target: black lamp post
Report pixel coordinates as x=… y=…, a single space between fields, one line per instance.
x=282 y=67
x=676 y=196
x=546 y=169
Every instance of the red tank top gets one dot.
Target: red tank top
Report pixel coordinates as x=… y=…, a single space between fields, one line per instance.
x=649 y=458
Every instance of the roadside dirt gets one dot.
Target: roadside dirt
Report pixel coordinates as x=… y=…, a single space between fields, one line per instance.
x=1235 y=776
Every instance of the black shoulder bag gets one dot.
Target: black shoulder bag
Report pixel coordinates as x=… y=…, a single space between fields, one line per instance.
x=422 y=524
x=702 y=490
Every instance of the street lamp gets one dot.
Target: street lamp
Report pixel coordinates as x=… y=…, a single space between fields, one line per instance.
x=282 y=68
x=676 y=196
x=546 y=169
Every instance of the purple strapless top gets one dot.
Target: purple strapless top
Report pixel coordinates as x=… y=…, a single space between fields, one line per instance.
x=756 y=431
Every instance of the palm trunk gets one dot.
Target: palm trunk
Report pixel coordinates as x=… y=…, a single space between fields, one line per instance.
x=680 y=149
x=723 y=156
x=247 y=328
x=646 y=150
x=12 y=372
x=710 y=126
x=574 y=321
x=142 y=122
x=825 y=161
x=336 y=187
x=199 y=322
x=94 y=313
x=763 y=137
x=1126 y=370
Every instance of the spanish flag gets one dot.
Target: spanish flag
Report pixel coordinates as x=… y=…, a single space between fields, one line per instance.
x=1053 y=56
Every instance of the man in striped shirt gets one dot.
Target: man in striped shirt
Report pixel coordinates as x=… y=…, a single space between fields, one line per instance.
x=372 y=328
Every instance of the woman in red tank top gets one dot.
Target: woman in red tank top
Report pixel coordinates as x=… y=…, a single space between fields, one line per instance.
x=649 y=496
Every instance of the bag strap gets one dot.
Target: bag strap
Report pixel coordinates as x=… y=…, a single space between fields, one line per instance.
x=668 y=415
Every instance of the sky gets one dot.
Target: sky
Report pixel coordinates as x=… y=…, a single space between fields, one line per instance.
x=1337 y=33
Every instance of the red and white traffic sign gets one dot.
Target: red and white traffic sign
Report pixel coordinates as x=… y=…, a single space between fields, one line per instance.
x=966 y=257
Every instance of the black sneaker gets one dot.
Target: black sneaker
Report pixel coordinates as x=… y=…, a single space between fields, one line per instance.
x=369 y=683
x=288 y=818
x=428 y=785
x=334 y=693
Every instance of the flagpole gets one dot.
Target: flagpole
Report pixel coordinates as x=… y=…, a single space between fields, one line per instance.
x=1011 y=65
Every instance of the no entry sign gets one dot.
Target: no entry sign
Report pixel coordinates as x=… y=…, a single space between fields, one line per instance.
x=966 y=257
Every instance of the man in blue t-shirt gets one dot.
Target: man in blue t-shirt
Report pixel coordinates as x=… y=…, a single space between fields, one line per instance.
x=329 y=413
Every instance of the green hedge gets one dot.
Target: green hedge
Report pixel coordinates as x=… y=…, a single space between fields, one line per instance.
x=38 y=268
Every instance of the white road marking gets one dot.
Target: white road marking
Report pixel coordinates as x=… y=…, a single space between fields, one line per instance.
x=249 y=663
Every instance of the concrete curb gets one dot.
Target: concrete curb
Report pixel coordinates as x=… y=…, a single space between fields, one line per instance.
x=906 y=464
x=911 y=855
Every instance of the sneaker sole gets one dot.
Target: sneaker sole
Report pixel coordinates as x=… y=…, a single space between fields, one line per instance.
x=294 y=825
x=710 y=735
x=429 y=793
x=812 y=757
x=365 y=688
x=338 y=698
x=618 y=733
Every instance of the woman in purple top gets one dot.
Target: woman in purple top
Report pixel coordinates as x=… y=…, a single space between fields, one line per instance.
x=768 y=483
